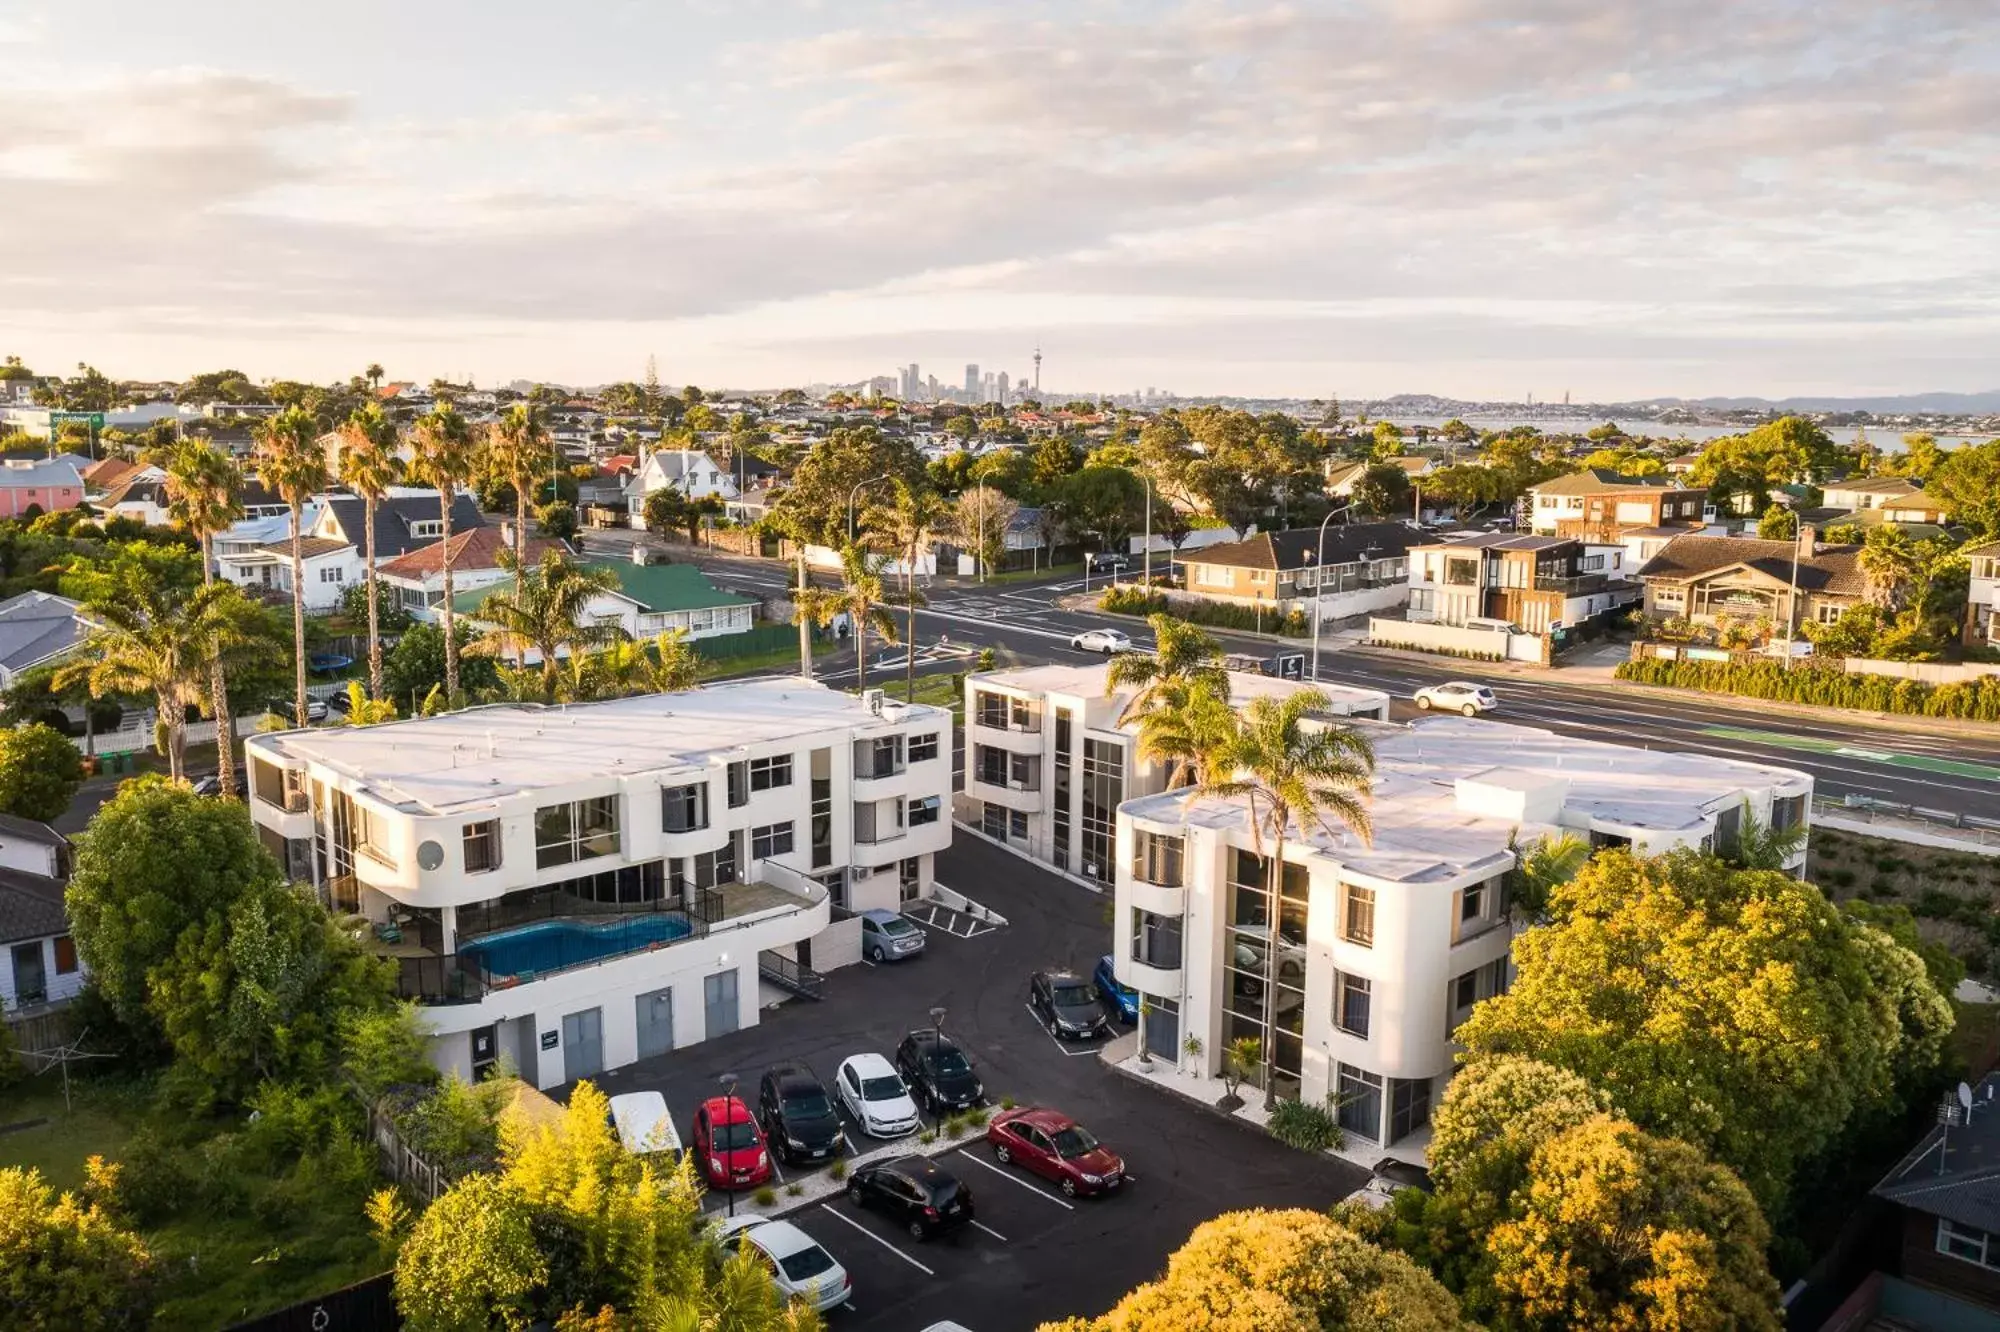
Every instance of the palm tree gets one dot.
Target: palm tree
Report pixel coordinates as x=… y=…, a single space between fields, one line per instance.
x=859 y=598
x=908 y=524
x=373 y=374
x=670 y=665
x=517 y=448
x=369 y=466
x=1290 y=769
x=205 y=495
x=151 y=637
x=291 y=462
x=1182 y=654
x=1190 y=724
x=547 y=614
x=1892 y=564
x=1541 y=868
x=444 y=447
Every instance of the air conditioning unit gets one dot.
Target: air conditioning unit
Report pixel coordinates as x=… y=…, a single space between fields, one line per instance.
x=873 y=699
x=856 y=873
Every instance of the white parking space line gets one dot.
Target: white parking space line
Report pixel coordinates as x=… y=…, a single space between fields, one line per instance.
x=850 y=1221
x=1014 y=1179
x=1062 y=1046
x=991 y=1231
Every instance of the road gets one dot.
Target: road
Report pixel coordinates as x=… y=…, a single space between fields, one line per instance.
x=1846 y=754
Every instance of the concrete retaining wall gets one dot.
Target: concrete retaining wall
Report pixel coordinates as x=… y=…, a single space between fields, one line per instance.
x=1486 y=644
x=1930 y=672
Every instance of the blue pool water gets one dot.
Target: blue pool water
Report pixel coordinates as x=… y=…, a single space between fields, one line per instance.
x=555 y=944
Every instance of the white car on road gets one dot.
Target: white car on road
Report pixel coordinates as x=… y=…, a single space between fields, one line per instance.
x=873 y=1092
x=1106 y=641
x=1457 y=696
x=798 y=1265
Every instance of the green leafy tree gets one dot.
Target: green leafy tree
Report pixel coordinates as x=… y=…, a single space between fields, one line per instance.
x=1967 y=484
x=557 y=519
x=1736 y=1009
x=1892 y=566
x=444 y=453
x=860 y=598
x=1109 y=502
x=1778 y=524
x=1383 y=490
x=1540 y=868
x=981 y=521
x=1291 y=774
x=291 y=462
x=369 y=465
x=66 y=1264
x=1617 y=1228
x=1191 y=725
x=1280 y=1271
x=907 y=527
x=416 y=665
x=517 y=450
x=1055 y=458
x=40 y=771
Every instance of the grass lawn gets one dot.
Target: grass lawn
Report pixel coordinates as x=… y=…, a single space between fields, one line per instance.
x=722 y=668
x=58 y=1146
x=1073 y=569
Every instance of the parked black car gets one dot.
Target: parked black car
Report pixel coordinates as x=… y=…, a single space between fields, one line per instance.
x=798 y=1116
x=923 y=1197
x=937 y=1071
x=1068 y=1004
x=1109 y=562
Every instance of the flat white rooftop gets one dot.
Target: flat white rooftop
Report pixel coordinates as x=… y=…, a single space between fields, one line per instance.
x=1422 y=832
x=440 y=764
x=1088 y=682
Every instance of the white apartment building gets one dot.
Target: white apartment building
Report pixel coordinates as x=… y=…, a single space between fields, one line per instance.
x=1982 y=598
x=579 y=887
x=1383 y=947
x=1047 y=764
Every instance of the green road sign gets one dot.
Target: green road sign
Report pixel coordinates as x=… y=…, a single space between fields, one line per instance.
x=95 y=420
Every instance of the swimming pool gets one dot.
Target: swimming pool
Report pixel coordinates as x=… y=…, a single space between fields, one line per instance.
x=554 y=944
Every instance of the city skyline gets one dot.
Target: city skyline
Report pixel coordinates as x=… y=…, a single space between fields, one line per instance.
x=1472 y=197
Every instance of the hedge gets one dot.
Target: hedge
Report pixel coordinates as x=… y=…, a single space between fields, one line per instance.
x=1977 y=700
x=1214 y=614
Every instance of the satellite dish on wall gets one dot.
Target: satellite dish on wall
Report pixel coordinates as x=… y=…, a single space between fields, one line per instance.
x=430 y=855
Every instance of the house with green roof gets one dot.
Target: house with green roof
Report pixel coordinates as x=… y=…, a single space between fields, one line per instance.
x=650 y=599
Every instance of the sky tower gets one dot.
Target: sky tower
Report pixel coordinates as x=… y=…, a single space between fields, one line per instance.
x=1038 y=367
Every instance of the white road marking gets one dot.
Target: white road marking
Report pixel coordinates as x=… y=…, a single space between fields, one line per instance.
x=991 y=1231
x=847 y=1220
x=1013 y=1179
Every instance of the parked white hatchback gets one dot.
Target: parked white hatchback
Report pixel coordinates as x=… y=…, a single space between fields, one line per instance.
x=1457 y=696
x=799 y=1267
x=873 y=1092
x=1106 y=641
x=644 y=1125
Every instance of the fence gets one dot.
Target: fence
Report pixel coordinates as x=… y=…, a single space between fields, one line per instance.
x=43 y=1027
x=365 y=1306
x=1911 y=823
x=1924 y=672
x=752 y=642
x=399 y=1161
x=1456 y=641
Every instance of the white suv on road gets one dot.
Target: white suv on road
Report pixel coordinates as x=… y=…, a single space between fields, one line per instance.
x=1106 y=641
x=1457 y=696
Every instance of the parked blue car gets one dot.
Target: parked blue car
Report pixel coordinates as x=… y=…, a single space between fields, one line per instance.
x=1122 y=997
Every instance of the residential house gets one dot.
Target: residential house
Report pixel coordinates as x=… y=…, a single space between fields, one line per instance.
x=1364 y=570
x=328 y=566
x=37 y=628
x=650 y=599
x=33 y=847
x=1385 y=944
x=140 y=496
x=1598 y=504
x=1982 y=601
x=1713 y=580
x=405 y=519
x=1541 y=584
x=575 y=888
x=29 y=486
x=1343 y=475
x=1047 y=761
x=38 y=961
x=1944 y=1211
x=1891 y=494
x=417 y=576
x=690 y=471
x=242 y=550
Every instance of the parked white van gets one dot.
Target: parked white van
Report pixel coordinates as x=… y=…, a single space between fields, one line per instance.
x=644 y=1125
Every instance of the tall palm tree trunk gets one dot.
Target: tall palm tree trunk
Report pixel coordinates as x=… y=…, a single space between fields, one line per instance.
x=218 y=696
x=857 y=611
x=173 y=716
x=374 y=619
x=1272 y=911
x=299 y=615
x=520 y=531
x=450 y=641
x=910 y=646
x=805 y=628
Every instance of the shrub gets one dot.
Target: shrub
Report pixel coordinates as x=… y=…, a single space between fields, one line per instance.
x=1822 y=686
x=837 y=1171
x=765 y=1196
x=927 y=1137
x=794 y=1189
x=953 y=1126
x=1308 y=1127
x=978 y=1117
x=1132 y=600
x=1007 y=1103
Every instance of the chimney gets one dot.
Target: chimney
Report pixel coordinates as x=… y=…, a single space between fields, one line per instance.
x=1808 y=542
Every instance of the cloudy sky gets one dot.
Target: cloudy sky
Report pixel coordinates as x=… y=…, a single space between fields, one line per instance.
x=1484 y=198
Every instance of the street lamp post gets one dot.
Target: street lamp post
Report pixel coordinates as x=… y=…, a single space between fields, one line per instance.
x=1319 y=580
x=853 y=494
x=1147 y=481
x=728 y=1081
x=937 y=1039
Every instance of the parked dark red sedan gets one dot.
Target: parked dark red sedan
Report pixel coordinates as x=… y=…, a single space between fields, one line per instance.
x=729 y=1146
x=1051 y=1144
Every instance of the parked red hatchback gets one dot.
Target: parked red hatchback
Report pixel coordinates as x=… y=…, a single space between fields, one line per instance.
x=728 y=1144
x=1056 y=1147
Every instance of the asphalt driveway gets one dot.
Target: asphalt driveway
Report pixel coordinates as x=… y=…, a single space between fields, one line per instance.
x=1035 y=1255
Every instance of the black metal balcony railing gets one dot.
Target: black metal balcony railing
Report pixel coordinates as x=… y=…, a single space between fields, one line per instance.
x=1572 y=585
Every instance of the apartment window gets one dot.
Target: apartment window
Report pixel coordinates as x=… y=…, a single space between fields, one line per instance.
x=993 y=820
x=1357 y=914
x=1360 y=1096
x=332 y=575
x=427 y=527
x=1060 y=822
x=881 y=756
x=1351 y=998
x=991 y=709
x=1213 y=575
x=65 y=955
x=1156 y=940
x=990 y=764
x=773 y=839
x=712 y=868
x=739 y=784
x=1156 y=859
x=684 y=808
x=923 y=748
x=1465 y=991
x=1472 y=903
x=1017 y=824
x=769 y=773
x=1666 y=597
x=1423 y=599
x=1461 y=573
x=581 y=830
x=1103 y=791
x=482 y=846
x=1409 y=1106
x=1728 y=830
x=370 y=836
x=1967 y=1244
x=1022 y=716
x=1827 y=612
x=1024 y=771
x=1787 y=812
x=925 y=810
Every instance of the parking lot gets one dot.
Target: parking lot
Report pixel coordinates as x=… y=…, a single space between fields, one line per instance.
x=1034 y=1254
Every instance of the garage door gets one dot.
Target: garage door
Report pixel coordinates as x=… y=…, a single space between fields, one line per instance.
x=719 y=992
x=583 y=1044
x=656 y=1022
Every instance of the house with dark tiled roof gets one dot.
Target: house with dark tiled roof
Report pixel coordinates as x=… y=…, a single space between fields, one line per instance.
x=1349 y=569
x=1542 y=584
x=1714 y=580
x=38 y=961
x=37 y=628
x=404 y=520
x=1597 y=504
x=475 y=559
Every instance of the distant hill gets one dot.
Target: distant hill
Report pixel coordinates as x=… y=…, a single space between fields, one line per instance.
x=1955 y=404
